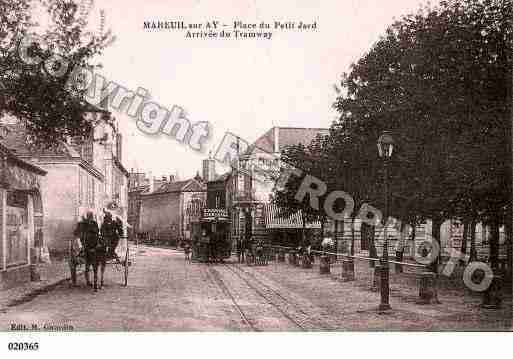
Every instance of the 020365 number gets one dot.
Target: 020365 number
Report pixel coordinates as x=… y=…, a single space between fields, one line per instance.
x=23 y=346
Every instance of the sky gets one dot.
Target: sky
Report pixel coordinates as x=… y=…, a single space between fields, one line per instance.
x=242 y=86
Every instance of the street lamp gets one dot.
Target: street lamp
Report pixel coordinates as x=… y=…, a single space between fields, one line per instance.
x=385 y=150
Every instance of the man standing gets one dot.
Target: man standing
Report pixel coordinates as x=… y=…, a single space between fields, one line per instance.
x=110 y=234
x=87 y=230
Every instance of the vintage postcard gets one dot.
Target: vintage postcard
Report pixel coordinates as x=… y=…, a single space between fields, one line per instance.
x=255 y=166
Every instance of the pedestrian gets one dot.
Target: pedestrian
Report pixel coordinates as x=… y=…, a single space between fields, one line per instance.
x=239 y=250
x=110 y=234
x=87 y=230
x=79 y=233
x=205 y=246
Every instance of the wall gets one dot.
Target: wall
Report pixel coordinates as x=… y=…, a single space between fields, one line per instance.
x=60 y=198
x=188 y=197
x=159 y=211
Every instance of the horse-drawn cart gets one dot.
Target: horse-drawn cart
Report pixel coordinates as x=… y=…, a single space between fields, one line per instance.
x=122 y=260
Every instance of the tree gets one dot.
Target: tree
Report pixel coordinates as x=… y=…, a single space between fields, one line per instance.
x=34 y=94
x=436 y=79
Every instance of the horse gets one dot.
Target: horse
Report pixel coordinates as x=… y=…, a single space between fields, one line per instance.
x=95 y=255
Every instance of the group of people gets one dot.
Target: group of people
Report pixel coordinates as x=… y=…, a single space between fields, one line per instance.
x=248 y=247
x=92 y=236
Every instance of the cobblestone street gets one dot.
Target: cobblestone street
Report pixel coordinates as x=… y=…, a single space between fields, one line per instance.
x=167 y=293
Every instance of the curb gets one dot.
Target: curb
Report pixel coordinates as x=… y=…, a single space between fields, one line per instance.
x=33 y=293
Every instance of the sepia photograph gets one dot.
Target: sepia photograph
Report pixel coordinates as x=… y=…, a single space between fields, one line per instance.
x=338 y=167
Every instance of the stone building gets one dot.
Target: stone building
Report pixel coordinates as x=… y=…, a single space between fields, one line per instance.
x=139 y=183
x=82 y=174
x=250 y=185
x=21 y=217
x=163 y=212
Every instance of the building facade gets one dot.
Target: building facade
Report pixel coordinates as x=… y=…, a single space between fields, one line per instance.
x=81 y=174
x=21 y=218
x=251 y=183
x=163 y=212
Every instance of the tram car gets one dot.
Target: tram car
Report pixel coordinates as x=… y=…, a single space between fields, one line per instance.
x=210 y=236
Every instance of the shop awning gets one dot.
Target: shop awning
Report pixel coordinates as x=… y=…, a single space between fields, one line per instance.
x=275 y=220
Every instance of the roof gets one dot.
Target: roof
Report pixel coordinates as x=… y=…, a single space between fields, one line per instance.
x=21 y=163
x=16 y=141
x=190 y=185
x=287 y=136
x=275 y=220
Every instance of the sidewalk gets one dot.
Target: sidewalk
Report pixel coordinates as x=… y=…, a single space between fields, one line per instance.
x=51 y=275
x=354 y=305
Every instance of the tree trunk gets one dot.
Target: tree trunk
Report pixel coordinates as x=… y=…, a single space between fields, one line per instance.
x=342 y=232
x=437 y=224
x=352 y=235
x=473 y=250
x=509 y=243
x=335 y=235
x=322 y=229
x=463 y=248
x=373 y=253
x=465 y=237
x=494 y=242
x=399 y=253
x=303 y=232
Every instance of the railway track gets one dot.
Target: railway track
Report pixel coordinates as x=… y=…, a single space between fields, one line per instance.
x=268 y=297
x=216 y=278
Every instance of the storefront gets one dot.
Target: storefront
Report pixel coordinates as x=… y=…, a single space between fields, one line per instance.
x=21 y=218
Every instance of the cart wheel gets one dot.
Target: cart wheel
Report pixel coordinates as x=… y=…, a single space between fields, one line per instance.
x=126 y=264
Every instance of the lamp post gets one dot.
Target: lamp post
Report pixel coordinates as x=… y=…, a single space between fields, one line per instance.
x=385 y=149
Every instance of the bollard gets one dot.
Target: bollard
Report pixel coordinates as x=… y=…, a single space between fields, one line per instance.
x=376 y=280
x=492 y=298
x=348 y=270
x=324 y=265
x=34 y=273
x=281 y=255
x=296 y=262
x=427 y=288
x=293 y=258
x=306 y=262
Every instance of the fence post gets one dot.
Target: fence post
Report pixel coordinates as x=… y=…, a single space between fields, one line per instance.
x=427 y=288
x=306 y=262
x=348 y=270
x=492 y=298
x=281 y=255
x=324 y=264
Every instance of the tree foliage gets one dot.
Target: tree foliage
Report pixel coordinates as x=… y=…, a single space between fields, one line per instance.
x=34 y=94
x=439 y=81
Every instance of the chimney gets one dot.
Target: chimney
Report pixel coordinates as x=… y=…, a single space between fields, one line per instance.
x=171 y=178
x=209 y=168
